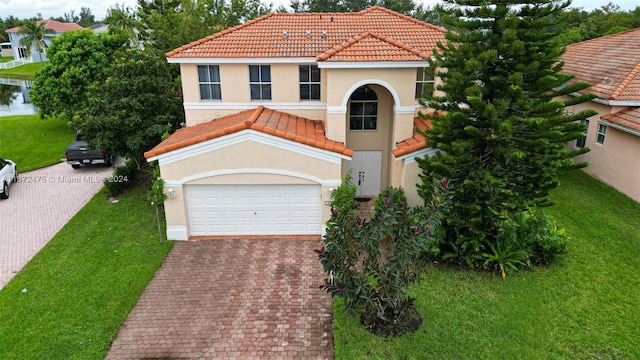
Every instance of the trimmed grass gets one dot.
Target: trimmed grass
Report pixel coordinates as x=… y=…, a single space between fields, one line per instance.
x=22 y=71
x=4 y=59
x=71 y=299
x=585 y=306
x=33 y=143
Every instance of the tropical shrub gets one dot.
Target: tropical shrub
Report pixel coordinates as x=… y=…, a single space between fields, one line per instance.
x=371 y=265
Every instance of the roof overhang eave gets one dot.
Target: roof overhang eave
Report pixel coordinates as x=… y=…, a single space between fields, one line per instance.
x=624 y=103
x=371 y=64
x=241 y=60
x=619 y=127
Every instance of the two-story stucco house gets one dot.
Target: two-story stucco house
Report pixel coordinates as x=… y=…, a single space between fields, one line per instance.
x=20 y=51
x=279 y=108
x=611 y=64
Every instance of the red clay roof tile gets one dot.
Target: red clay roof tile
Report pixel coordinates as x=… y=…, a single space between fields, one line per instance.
x=629 y=118
x=610 y=64
x=417 y=142
x=390 y=36
x=54 y=25
x=268 y=121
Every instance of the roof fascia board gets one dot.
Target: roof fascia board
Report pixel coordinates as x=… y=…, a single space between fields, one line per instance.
x=216 y=105
x=243 y=136
x=619 y=127
x=410 y=158
x=242 y=60
x=372 y=64
x=624 y=103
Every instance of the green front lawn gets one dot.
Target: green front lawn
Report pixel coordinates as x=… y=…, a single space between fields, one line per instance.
x=33 y=143
x=71 y=299
x=6 y=59
x=22 y=71
x=585 y=306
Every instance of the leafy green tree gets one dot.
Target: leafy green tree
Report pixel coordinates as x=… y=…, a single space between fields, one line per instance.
x=372 y=265
x=501 y=133
x=78 y=59
x=122 y=19
x=34 y=35
x=131 y=109
x=169 y=24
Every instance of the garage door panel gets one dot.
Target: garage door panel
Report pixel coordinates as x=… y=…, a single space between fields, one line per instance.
x=254 y=209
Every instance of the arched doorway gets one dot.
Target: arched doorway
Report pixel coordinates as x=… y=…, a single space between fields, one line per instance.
x=369 y=128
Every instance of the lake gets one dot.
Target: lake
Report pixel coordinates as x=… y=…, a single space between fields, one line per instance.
x=14 y=97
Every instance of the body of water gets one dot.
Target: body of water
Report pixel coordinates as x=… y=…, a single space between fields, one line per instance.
x=14 y=97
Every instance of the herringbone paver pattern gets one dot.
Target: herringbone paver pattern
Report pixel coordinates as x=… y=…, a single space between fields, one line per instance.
x=40 y=204
x=232 y=299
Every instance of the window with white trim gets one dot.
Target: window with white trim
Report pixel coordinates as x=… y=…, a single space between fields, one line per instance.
x=580 y=143
x=260 y=82
x=602 y=131
x=309 y=82
x=422 y=79
x=209 y=81
x=363 y=113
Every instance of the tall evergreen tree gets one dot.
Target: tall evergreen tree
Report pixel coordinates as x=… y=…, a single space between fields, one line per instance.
x=501 y=131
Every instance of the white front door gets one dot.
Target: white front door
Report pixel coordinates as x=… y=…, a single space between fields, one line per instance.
x=367 y=171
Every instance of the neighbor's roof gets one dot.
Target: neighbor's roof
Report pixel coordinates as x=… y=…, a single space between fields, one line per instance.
x=54 y=25
x=272 y=122
x=373 y=34
x=611 y=64
x=628 y=118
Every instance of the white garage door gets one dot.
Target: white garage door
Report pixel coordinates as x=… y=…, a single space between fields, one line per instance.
x=254 y=209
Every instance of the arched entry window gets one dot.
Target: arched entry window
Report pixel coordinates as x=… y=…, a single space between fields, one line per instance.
x=363 y=114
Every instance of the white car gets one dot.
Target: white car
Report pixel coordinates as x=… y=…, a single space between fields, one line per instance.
x=8 y=176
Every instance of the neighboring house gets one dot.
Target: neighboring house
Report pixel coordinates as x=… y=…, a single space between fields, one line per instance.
x=279 y=108
x=20 y=52
x=611 y=64
x=99 y=28
x=5 y=49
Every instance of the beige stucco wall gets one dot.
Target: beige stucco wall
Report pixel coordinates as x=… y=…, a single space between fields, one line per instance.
x=616 y=161
x=246 y=155
x=341 y=83
x=409 y=183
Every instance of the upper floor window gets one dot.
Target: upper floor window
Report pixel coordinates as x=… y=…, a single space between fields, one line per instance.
x=209 y=80
x=602 y=131
x=580 y=143
x=423 y=78
x=363 y=114
x=260 y=82
x=309 y=82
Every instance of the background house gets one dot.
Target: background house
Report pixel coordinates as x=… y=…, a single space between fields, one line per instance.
x=611 y=64
x=278 y=109
x=5 y=49
x=20 y=52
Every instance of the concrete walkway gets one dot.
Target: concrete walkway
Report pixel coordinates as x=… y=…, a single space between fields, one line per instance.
x=40 y=204
x=232 y=299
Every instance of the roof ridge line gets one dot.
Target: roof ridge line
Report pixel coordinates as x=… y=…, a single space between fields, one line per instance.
x=403 y=16
x=623 y=85
x=345 y=44
x=218 y=34
x=602 y=37
x=394 y=42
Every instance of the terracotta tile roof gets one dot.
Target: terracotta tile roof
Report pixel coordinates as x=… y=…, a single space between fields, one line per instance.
x=629 y=118
x=372 y=47
x=312 y=35
x=275 y=123
x=415 y=143
x=611 y=64
x=57 y=26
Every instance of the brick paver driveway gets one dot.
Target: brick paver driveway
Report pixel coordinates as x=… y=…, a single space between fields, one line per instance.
x=232 y=299
x=40 y=204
